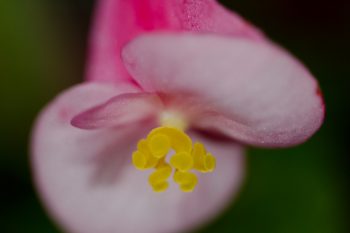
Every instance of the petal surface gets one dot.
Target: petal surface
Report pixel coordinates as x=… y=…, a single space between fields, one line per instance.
x=254 y=92
x=120 y=111
x=86 y=179
x=117 y=22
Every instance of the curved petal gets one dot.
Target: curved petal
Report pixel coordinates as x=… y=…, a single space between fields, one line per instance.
x=117 y=22
x=88 y=183
x=256 y=92
x=119 y=111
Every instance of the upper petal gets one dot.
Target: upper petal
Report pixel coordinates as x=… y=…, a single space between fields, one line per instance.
x=117 y=22
x=255 y=92
x=89 y=185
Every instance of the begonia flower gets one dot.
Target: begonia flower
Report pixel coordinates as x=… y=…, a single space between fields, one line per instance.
x=176 y=89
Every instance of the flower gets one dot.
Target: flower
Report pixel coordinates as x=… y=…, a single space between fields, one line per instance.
x=181 y=76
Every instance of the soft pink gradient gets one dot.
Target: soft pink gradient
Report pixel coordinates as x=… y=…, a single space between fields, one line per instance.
x=147 y=56
x=89 y=185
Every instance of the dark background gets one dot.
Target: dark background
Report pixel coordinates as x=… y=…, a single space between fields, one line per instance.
x=299 y=190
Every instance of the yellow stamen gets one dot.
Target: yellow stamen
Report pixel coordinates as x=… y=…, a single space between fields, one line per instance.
x=149 y=160
x=159 y=145
x=209 y=163
x=158 y=179
x=198 y=154
x=186 y=180
x=139 y=160
x=179 y=141
x=182 y=161
x=160 y=187
x=152 y=152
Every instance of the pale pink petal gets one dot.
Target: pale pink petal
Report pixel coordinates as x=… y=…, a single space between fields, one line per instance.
x=255 y=92
x=86 y=179
x=120 y=110
x=117 y=22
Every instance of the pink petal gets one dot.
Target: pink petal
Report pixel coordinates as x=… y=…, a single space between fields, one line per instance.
x=89 y=185
x=210 y=17
x=256 y=92
x=117 y=22
x=120 y=110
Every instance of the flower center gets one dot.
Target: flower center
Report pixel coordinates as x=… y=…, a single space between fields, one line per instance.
x=152 y=153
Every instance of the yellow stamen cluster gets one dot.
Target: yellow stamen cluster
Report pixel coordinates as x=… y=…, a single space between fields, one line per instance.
x=152 y=152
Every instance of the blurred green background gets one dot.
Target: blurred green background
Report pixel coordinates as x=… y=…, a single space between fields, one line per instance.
x=303 y=189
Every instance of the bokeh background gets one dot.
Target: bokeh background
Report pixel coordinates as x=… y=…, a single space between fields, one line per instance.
x=303 y=189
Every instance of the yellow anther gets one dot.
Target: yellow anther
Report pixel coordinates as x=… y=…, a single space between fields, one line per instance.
x=159 y=145
x=160 y=187
x=209 y=163
x=182 y=161
x=179 y=141
x=198 y=154
x=142 y=146
x=186 y=180
x=164 y=169
x=139 y=160
x=158 y=179
x=151 y=161
x=152 y=151
x=142 y=158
